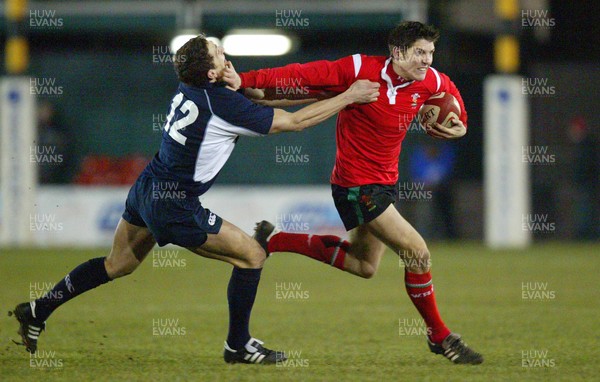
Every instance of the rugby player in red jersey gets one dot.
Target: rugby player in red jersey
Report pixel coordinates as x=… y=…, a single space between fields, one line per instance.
x=369 y=139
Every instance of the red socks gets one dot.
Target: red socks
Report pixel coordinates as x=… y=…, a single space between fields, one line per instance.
x=332 y=250
x=327 y=248
x=420 y=290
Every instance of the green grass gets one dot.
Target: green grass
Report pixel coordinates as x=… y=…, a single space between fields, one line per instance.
x=347 y=329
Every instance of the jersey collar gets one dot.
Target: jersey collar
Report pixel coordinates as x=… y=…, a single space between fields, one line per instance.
x=392 y=90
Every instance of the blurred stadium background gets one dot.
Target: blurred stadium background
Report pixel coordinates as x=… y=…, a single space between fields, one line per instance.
x=102 y=76
x=100 y=80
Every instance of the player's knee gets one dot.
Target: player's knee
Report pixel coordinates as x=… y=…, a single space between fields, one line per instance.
x=255 y=257
x=119 y=266
x=417 y=260
x=367 y=270
x=425 y=261
x=255 y=262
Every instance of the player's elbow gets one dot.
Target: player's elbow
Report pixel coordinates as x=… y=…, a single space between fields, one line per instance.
x=285 y=128
x=286 y=122
x=296 y=124
x=254 y=94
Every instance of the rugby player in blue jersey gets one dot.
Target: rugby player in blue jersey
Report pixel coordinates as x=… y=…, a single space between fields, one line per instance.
x=205 y=119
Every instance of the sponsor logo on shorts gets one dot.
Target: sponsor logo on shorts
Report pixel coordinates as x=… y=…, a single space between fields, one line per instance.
x=368 y=203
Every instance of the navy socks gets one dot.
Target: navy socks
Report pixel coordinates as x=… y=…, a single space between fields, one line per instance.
x=86 y=276
x=241 y=293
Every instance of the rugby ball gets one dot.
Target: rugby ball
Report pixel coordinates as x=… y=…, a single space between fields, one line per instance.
x=441 y=108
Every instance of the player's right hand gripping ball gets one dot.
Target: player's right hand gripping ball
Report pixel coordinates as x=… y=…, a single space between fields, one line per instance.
x=440 y=108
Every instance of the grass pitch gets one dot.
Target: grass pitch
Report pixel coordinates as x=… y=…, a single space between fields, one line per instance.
x=532 y=313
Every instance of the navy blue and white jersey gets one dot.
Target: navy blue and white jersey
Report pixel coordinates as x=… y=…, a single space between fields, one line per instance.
x=200 y=133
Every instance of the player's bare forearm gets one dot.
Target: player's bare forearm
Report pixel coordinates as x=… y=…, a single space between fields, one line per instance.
x=308 y=116
x=266 y=98
x=362 y=91
x=271 y=98
x=285 y=102
x=254 y=94
x=262 y=97
x=318 y=112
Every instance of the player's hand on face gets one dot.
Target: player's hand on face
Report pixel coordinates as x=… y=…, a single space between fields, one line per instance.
x=363 y=91
x=231 y=77
x=455 y=131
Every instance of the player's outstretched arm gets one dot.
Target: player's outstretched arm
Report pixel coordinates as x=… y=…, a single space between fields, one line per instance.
x=362 y=91
x=261 y=97
x=270 y=96
x=316 y=73
x=337 y=74
x=285 y=102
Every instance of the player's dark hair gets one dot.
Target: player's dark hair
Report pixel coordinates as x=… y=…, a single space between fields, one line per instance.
x=193 y=61
x=407 y=32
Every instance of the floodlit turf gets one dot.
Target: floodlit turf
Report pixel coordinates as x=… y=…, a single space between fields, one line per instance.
x=168 y=320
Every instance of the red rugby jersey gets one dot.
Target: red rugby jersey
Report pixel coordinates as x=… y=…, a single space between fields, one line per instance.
x=369 y=137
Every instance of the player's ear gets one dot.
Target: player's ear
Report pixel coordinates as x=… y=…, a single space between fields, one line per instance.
x=397 y=53
x=212 y=75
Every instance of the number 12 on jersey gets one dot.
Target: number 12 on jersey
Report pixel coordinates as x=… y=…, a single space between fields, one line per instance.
x=173 y=126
